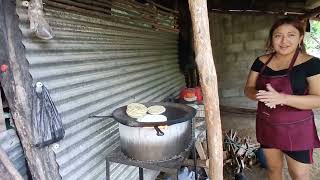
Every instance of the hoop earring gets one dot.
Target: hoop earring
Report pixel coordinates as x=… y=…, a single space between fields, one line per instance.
x=299 y=46
x=272 y=50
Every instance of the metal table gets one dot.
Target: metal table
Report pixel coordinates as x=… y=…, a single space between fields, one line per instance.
x=172 y=167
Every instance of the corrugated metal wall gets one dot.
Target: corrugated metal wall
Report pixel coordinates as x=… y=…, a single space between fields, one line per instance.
x=10 y=143
x=105 y=54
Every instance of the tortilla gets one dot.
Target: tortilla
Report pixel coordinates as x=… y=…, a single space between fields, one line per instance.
x=136 y=110
x=152 y=118
x=156 y=109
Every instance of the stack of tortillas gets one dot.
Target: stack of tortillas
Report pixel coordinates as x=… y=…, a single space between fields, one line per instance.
x=139 y=111
x=136 y=110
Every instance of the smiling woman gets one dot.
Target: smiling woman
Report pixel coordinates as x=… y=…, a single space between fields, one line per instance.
x=285 y=84
x=285 y=38
x=283 y=32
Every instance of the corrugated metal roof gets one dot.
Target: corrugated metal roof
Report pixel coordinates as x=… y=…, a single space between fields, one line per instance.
x=10 y=143
x=104 y=55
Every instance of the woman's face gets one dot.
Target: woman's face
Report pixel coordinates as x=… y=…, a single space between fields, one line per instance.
x=285 y=39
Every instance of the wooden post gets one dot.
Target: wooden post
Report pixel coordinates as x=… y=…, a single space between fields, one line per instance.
x=17 y=83
x=208 y=81
x=2 y=58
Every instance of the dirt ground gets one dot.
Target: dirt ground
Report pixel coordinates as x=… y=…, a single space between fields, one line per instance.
x=244 y=124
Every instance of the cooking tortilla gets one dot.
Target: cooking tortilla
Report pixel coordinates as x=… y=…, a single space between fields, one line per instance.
x=156 y=109
x=136 y=110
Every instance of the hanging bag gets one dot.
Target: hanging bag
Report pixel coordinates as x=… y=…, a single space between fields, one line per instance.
x=46 y=122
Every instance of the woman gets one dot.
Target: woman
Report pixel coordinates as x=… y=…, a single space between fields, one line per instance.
x=286 y=85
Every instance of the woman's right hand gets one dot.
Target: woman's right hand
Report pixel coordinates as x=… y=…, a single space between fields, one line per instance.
x=250 y=88
x=271 y=97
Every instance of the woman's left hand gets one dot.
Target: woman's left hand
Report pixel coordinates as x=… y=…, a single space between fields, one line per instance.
x=271 y=98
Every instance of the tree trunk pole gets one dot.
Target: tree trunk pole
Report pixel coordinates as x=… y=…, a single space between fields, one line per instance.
x=17 y=85
x=208 y=81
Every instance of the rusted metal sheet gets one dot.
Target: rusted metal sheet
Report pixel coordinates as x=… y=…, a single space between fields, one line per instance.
x=105 y=54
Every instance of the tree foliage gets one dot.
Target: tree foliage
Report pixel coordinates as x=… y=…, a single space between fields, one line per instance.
x=315 y=27
x=312 y=39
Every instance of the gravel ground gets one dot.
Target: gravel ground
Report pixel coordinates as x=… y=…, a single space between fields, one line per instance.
x=244 y=124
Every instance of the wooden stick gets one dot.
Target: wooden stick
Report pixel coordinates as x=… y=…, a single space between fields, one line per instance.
x=208 y=82
x=2 y=119
x=201 y=152
x=9 y=166
x=200 y=163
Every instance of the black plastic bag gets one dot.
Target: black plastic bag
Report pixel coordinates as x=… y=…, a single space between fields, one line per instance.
x=46 y=123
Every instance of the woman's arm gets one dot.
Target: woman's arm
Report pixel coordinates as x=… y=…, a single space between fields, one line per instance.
x=250 y=88
x=311 y=101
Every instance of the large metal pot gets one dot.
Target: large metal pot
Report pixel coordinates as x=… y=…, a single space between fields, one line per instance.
x=156 y=141
x=143 y=143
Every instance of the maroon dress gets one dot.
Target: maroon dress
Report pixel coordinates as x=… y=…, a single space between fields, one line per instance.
x=284 y=127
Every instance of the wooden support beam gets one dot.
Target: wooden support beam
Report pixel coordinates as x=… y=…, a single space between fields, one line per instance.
x=258 y=12
x=208 y=81
x=315 y=18
x=311 y=4
x=17 y=83
x=8 y=166
x=162 y=7
x=312 y=13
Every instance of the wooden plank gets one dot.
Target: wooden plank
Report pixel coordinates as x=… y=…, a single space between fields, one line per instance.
x=202 y=153
x=200 y=163
x=8 y=165
x=205 y=147
x=208 y=81
x=257 y=11
x=17 y=83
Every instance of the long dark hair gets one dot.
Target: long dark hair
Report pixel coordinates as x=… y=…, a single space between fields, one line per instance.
x=287 y=20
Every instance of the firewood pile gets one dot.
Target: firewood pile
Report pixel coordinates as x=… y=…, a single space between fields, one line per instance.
x=239 y=153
